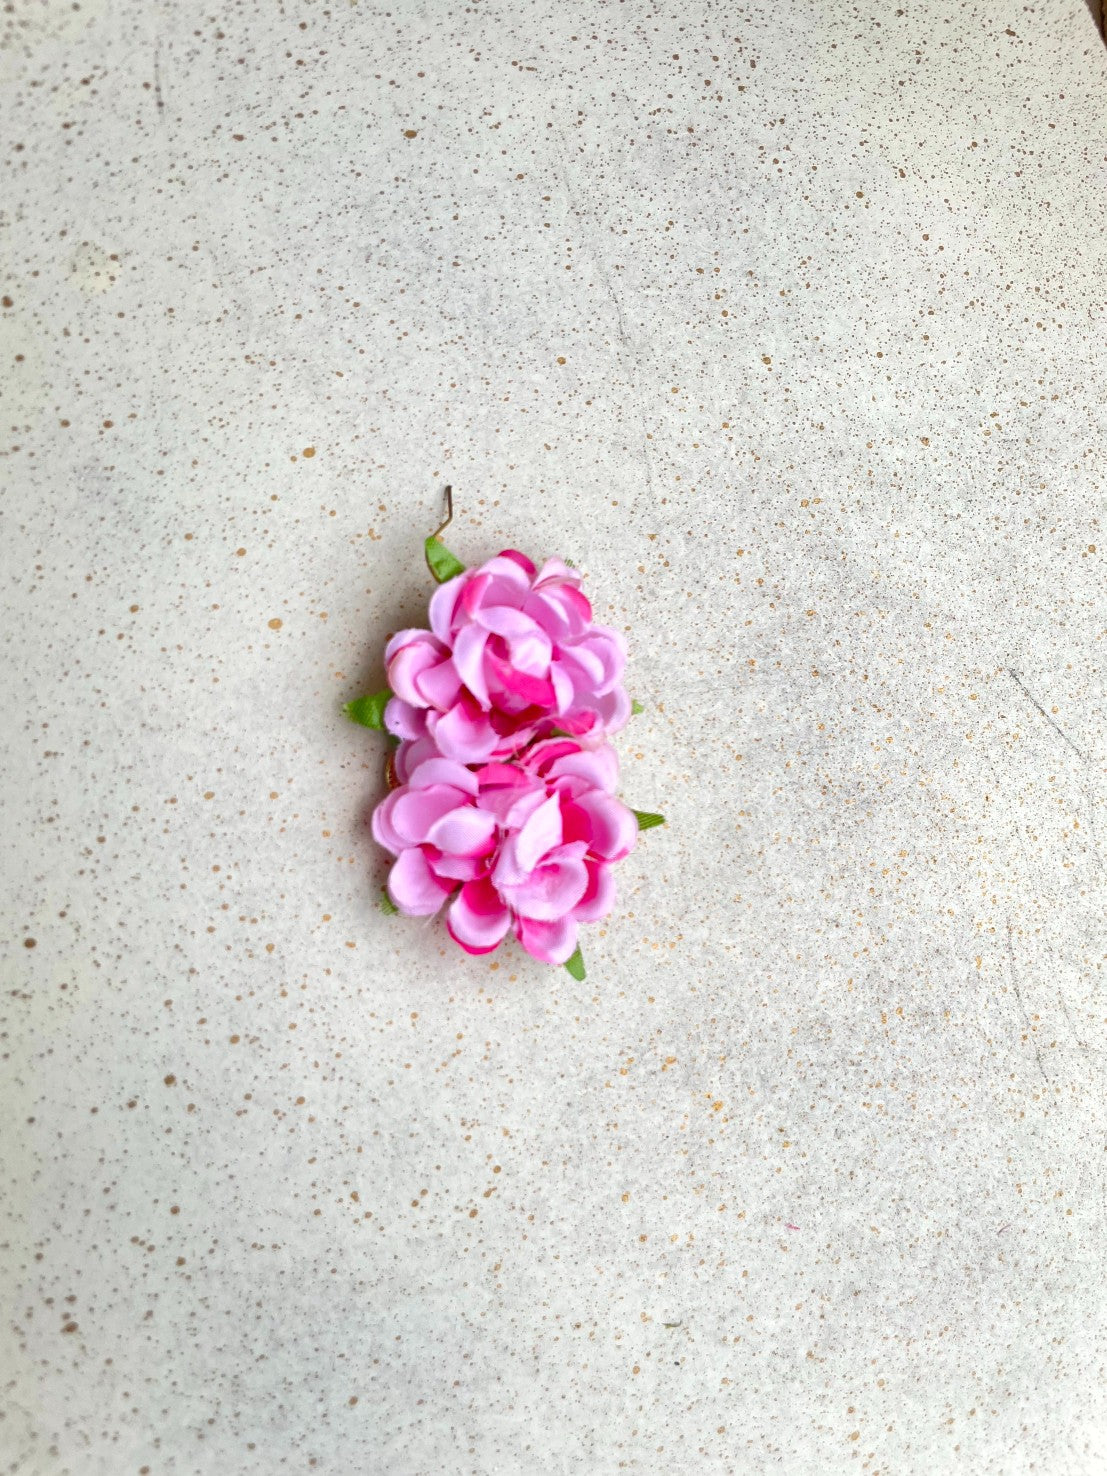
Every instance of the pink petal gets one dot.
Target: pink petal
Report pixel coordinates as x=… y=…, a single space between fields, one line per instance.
x=520 y=559
x=439 y=686
x=472 y=596
x=460 y=868
x=443 y=604
x=498 y=775
x=509 y=574
x=477 y=918
x=585 y=668
x=510 y=681
x=384 y=832
x=465 y=831
x=413 y=886
x=556 y=616
x=564 y=691
x=609 y=647
x=414 y=811
x=438 y=770
x=613 y=709
x=528 y=643
x=598 y=767
x=540 y=833
x=464 y=733
x=469 y=661
x=407 y=664
x=540 y=757
x=552 y=889
x=500 y=798
x=404 y=638
x=403 y=720
x=599 y=898
x=410 y=754
x=551 y=942
x=614 y=826
x=515 y=735
x=556 y=572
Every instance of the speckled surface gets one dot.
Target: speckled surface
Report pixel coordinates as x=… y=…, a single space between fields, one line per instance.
x=785 y=323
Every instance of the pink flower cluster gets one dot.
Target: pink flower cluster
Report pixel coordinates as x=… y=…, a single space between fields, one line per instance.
x=505 y=805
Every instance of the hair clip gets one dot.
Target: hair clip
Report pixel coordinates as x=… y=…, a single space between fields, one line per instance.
x=502 y=799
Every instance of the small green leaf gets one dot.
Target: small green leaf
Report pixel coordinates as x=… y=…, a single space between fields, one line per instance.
x=387 y=906
x=636 y=707
x=575 y=965
x=441 y=561
x=369 y=711
x=646 y=821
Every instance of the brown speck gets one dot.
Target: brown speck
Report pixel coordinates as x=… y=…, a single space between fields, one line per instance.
x=170 y=1080
x=30 y=943
x=70 y=1327
x=410 y=132
x=308 y=451
x=7 y=302
x=276 y=623
x=240 y=553
x=174 y=1209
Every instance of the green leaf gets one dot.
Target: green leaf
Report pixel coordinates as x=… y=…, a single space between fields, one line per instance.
x=636 y=707
x=387 y=906
x=575 y=965
x=441 y=561
x=369 y=711
x=646 y=821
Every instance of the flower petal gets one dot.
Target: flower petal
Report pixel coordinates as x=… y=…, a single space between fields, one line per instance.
x=598 y=767
x=438 y=770
x=443 y=604
x=463 y=733
x=540 y=833
x=413 y=886
x=551 y=942
x=520 y=559
x=553 y=888
x=614 y=826
x=528 y=643
x=410 y=754
x=439 y=686
x=465 y=831
x=384 y=832
x=614 y=709
x=599 y=898
x=556 y=572
x=404 y=638
x=477 y=918
x=460 y=868
x=469 y=661
x=414 y=811
x=406 y=666
x=404 y=721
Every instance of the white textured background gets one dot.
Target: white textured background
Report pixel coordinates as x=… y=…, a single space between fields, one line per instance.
x=784 y=321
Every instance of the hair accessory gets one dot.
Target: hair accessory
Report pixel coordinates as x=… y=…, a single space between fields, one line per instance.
x=502 y=787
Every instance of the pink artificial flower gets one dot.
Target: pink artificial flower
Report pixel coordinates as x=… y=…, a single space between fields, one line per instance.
x=528 y=845
x=511 y=654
